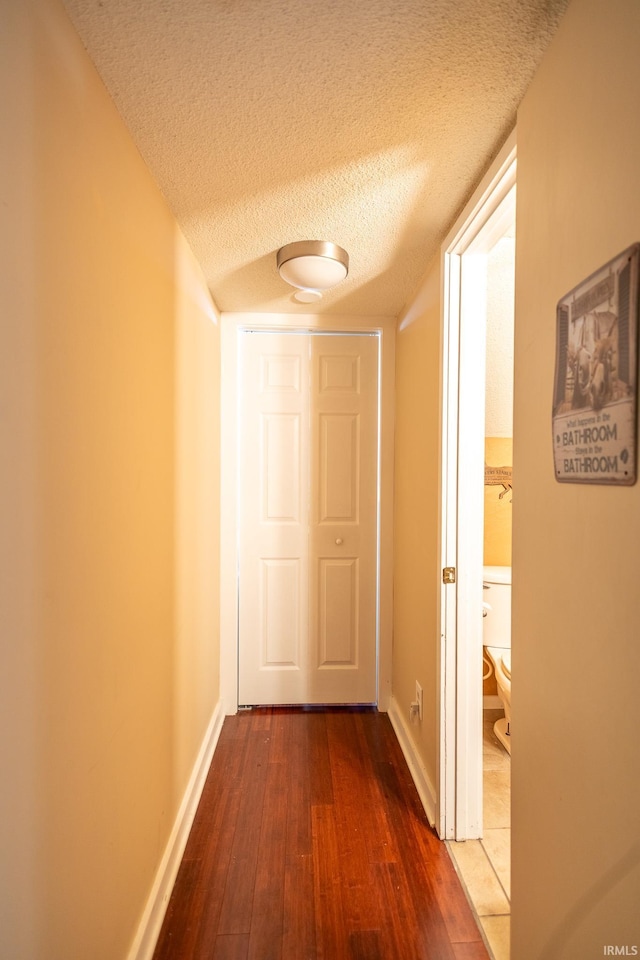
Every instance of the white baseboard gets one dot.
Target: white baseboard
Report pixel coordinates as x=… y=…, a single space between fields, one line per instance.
x=426 y=790
x=146 y=937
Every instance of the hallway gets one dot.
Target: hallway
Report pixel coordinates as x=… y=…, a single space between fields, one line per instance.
x=310 y=842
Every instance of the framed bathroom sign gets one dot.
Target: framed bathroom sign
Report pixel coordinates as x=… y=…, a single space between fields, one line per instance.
x=595 y=384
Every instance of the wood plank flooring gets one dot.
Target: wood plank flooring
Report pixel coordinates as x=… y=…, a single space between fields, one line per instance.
x=310 y=843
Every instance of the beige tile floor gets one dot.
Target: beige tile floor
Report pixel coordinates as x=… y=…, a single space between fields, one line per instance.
x=484 y=866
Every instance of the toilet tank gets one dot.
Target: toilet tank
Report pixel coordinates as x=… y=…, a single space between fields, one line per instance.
x=496 y=597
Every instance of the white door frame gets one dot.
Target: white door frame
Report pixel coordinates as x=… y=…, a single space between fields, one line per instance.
x=231 y=325
x=459 y=764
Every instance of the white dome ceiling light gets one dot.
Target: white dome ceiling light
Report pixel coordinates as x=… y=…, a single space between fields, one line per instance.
x=312 y=266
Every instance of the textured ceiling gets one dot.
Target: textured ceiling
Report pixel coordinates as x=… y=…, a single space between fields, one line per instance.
x=364 y=122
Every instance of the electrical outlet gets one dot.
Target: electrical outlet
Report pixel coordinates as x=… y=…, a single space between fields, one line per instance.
x=419 y=699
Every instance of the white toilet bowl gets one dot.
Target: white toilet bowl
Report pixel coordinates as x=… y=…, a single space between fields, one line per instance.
x=497 y=641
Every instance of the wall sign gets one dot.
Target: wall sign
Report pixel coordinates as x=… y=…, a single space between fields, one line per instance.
x=595 y=386
x=499 y=476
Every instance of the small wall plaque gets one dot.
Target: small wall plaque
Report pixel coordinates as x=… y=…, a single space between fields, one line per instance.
x=498 y=476
x=595 y=386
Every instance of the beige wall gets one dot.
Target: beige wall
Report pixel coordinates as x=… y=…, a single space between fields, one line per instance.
x=498 y=505
x=416 y=628
x=109 y=395
x=576 y=602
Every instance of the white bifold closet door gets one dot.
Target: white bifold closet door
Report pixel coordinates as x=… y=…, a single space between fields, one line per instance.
x=308 y=518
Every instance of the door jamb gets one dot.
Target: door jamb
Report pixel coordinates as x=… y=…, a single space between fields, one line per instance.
x=231 y=324
x=459 y=762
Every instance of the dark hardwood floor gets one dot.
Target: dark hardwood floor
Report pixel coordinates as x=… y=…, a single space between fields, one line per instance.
x=310 y=843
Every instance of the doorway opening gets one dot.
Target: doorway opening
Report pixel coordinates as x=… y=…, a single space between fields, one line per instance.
x=488 y=218
x=233 y=328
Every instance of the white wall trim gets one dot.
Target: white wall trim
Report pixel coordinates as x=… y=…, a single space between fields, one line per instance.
x=145 y=940
x=424 y=786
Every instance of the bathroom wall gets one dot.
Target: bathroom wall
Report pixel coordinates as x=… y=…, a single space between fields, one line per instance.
x=576 y=603
x=109 y=434
x=499 y=399
x=498 y=505
x=498 y=410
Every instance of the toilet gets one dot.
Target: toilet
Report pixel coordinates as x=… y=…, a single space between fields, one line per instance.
x=497 y=641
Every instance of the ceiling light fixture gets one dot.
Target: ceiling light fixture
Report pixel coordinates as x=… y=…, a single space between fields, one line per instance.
x=313 y=265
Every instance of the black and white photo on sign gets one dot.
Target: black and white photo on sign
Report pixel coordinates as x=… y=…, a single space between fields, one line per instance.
x=594 y=404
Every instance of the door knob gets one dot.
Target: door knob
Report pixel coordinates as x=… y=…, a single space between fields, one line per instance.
x=338 y=540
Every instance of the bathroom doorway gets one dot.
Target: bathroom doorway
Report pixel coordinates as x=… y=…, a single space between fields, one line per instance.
x=488 y=219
